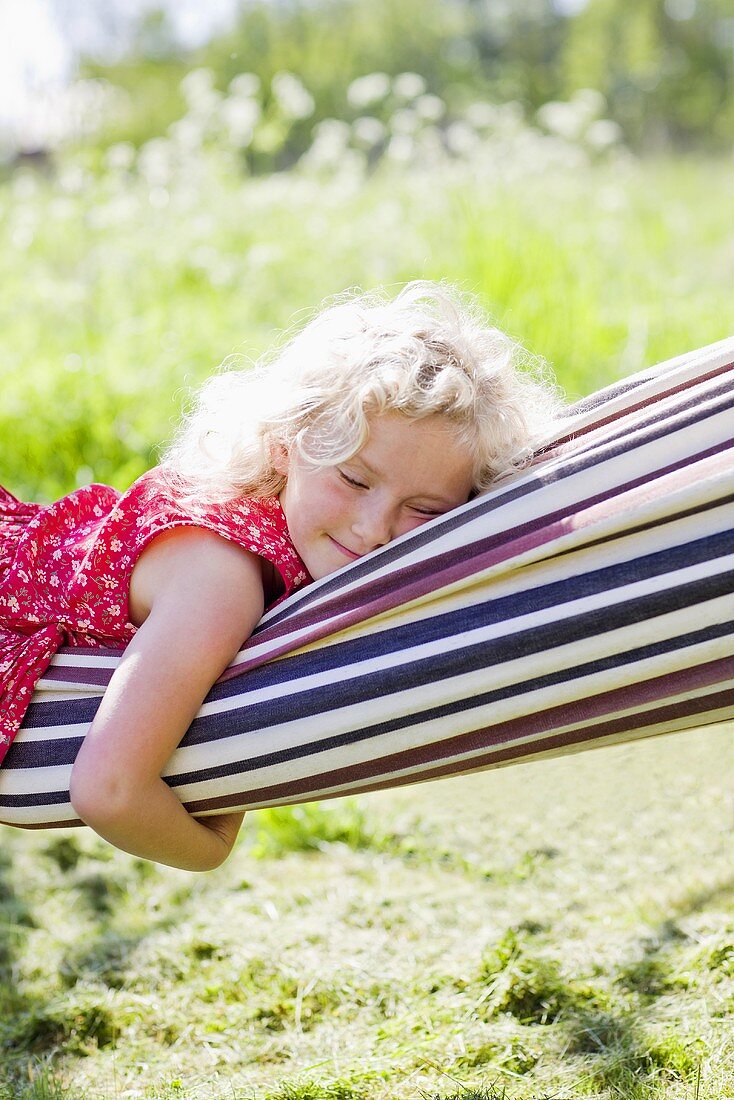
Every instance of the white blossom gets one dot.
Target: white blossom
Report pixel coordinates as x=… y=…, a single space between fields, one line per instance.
x=368 y=90
x=293 y=99
x=331 y=140
x=245 y=85
x=481 y=115
x=120 y=157
x=590 y=101
x=368 y=131
x=401 y=148
x=430 y=107
x=404 y=121
x=73 y=179
x=240 y=117
x=198 y=89
x=603 y=133
x=188 y=133
x=461 y=138
x=566 y=120
x=155 y=161
x=407 y=86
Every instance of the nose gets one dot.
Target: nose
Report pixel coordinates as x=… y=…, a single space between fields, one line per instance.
x=374 y=524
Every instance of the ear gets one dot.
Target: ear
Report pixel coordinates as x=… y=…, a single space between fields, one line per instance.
x=280 y=458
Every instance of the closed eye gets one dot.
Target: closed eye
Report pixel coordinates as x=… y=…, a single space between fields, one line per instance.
x=352 y=481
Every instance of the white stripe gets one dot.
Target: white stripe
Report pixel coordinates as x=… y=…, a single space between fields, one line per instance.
x=505 y=628
x=67 y=658
x=59 y=691
x=401 y=704
x=26 y=781
x=39 y=734
x=521 y=746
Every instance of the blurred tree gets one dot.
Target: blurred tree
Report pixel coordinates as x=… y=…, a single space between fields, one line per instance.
x=330 y=42
x=327 y=43
x=666 y=67
x=155 y=36
x=518 y=47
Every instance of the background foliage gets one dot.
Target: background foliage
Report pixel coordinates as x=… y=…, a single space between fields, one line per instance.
x=563 y=929
x=665 y=67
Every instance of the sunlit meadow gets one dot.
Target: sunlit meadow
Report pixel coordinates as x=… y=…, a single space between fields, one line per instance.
x=563 y=928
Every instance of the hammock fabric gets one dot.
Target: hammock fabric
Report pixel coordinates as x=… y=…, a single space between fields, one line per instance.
x=585 y=601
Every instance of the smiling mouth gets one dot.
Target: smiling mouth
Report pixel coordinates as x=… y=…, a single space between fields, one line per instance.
x=348 y=553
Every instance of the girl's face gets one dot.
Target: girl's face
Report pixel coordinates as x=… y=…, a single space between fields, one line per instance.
x=408 y=472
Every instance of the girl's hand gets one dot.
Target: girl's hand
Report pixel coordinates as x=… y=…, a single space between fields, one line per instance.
x=205 y=596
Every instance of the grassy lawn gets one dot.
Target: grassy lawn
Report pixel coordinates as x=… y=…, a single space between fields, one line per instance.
x=556 y=929
x=562 y=928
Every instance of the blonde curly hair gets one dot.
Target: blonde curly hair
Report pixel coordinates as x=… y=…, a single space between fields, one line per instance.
x=427 y=351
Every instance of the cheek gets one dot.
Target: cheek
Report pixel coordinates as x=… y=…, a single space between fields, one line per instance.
x=333 y=501
x=409 y=523
x=341 y=494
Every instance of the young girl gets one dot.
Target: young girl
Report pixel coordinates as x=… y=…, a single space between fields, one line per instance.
x=378 y=416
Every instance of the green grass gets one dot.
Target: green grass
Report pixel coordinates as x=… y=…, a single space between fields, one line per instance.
x=559 y=929
x=113 y=307
x=562 y=929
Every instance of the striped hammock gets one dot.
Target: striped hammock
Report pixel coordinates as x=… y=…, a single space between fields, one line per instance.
x=585 y=601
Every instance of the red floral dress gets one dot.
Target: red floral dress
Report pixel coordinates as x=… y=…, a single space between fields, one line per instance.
x=65 y=570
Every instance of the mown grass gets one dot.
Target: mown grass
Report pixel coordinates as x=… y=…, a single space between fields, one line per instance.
x=563 y=929
x=559 y=929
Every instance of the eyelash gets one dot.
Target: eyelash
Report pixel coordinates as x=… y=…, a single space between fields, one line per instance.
x=351 y=481
x=428 y=513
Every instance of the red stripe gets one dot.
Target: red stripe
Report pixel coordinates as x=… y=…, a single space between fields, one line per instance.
x=627 y=409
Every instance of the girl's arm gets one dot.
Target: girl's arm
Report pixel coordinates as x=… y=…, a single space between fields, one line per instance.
x=205 y=596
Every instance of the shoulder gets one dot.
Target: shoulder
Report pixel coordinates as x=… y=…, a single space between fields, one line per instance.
x=200 y=569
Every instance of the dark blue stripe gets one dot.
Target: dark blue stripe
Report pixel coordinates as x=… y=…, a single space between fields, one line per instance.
x=487 y=612
x=300 y=751
x=38 y=798
x=444 y=626
x=250 y=717
x=482 y=699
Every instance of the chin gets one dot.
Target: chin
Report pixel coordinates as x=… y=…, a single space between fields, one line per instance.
x=317 y=570
x=327 y=570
